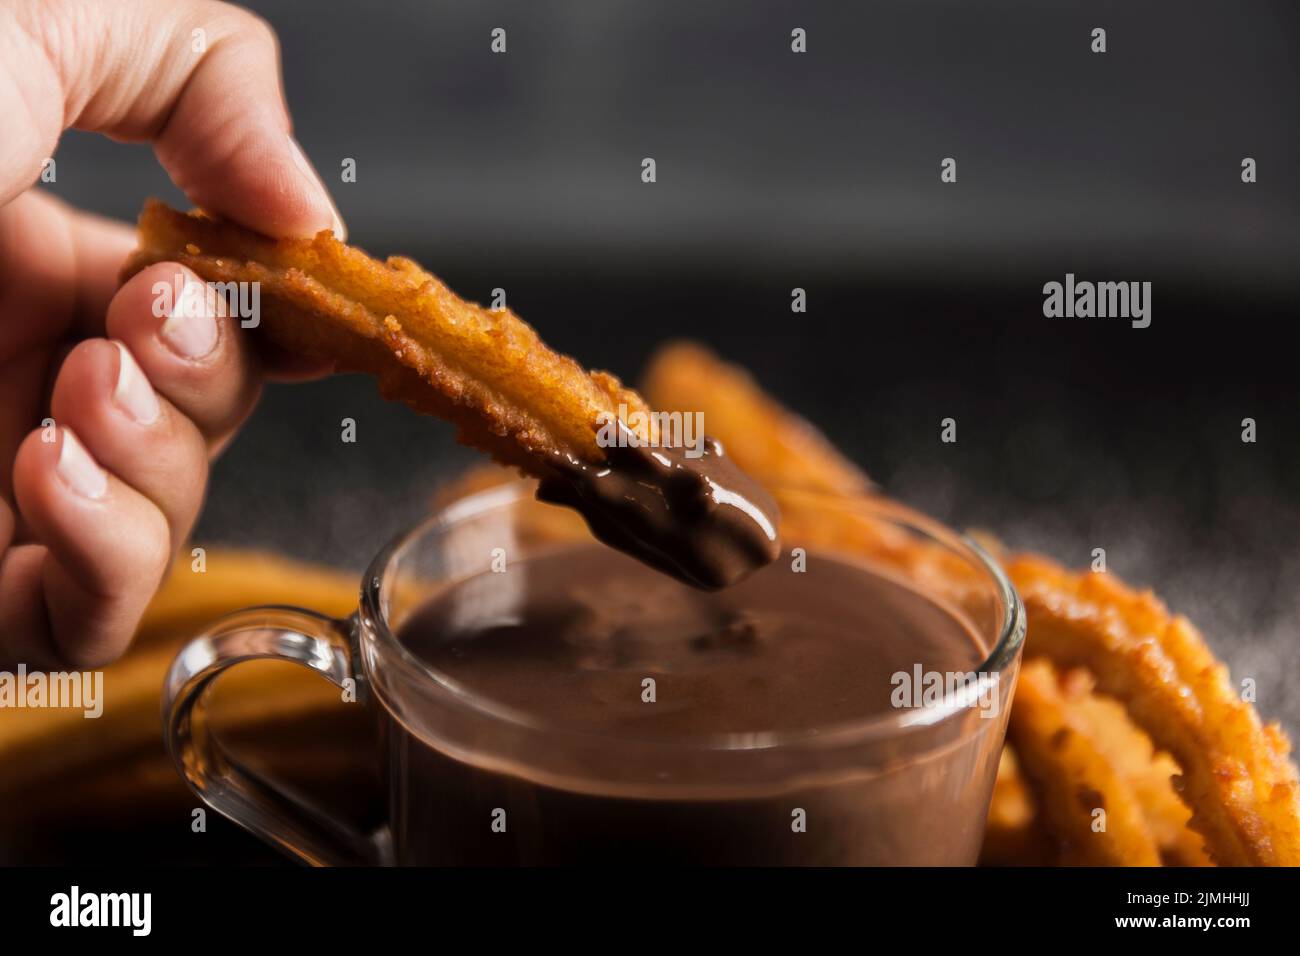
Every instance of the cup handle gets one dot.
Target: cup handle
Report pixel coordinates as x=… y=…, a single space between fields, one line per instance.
x=254 y=802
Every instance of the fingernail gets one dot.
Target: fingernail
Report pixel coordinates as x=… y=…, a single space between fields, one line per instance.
x=308 y=170
x=78 y=470
x=133 y=393
x=191 y=329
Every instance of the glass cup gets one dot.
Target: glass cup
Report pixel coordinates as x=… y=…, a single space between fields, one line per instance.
x=470 y=781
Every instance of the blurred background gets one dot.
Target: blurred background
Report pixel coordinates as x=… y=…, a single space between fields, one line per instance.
x=822 y=171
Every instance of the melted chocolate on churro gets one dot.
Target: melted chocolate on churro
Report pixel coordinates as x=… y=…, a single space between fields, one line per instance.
x=696 y=517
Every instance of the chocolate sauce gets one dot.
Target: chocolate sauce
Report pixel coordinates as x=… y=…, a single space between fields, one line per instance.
x=568 y=639
x=698 y=517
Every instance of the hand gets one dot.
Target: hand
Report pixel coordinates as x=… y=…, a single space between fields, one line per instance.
x=95 y=501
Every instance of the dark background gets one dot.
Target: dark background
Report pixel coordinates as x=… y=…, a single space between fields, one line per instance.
x=821 y=170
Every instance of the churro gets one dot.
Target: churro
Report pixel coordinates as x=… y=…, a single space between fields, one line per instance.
x=484 y=370
x=1235 y=771
x=1090 y=808
x=595 y=445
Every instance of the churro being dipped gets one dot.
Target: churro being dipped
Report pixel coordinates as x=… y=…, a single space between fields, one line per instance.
x=594 y=444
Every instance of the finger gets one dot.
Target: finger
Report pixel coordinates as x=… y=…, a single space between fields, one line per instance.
x=103 y=396
x=24 y=624
x=193 y=355
x=48 y=287
x=66 y=281
x=62 y=282
x=201 y=80
x=107 y=547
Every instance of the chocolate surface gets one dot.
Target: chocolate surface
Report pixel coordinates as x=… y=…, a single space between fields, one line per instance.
x=698 y=518
x=569 y=638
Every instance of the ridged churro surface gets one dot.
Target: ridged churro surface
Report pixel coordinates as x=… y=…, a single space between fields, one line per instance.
x=485 y=370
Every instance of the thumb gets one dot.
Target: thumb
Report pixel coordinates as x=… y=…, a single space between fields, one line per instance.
x=199 y=79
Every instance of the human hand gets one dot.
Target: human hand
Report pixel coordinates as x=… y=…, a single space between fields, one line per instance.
x=109 y=412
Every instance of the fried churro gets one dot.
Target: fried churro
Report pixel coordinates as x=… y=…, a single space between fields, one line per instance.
x=594 y=444
x=1149 y=771
x=1235 y=771
x=486 y=371
x=1089 y=807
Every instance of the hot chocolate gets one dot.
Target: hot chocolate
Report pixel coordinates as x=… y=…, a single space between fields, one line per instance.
x=589 y=642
